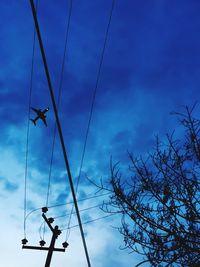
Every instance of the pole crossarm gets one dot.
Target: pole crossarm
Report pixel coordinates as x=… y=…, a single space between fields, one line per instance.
x=42 y=248
x=59 y=129
x=55 y=233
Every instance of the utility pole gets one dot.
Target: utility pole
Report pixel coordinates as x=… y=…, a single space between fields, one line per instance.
x=55 y=233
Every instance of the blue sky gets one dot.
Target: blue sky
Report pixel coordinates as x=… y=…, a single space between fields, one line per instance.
x=150 y=68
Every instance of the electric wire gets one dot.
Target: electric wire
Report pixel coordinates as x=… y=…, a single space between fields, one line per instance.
x=59 y=129
x=40 y=230
x=59 y=96
x=28 y=128
x=32 y=211
x=56 y=217
x=80 y=200
x=65 y=215
x=92 y=105
x=90 y=221
x=81 y=210
x=58 y=104
x=65 y=204
x=76 y=225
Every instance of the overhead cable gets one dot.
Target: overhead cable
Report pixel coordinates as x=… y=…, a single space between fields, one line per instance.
x=28 y=129
x=90 y=221
x=59 y=96
x=93 y=99
x=65 y=204
x=58 y=105
x=81 y=210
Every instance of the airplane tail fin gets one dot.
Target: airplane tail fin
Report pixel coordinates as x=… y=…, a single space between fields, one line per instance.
x=33 y=121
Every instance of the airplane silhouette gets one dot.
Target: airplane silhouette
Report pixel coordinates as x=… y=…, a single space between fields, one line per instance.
x=40 y=115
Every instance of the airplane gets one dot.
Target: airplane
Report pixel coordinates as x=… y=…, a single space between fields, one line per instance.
x=40 y=115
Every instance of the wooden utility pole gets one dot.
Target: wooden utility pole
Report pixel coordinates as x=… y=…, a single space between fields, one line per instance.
x=55 y=233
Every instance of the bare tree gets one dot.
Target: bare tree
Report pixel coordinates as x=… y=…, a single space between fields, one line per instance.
x=160 y=201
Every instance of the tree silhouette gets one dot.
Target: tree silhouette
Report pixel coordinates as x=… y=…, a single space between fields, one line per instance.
x=160 y=202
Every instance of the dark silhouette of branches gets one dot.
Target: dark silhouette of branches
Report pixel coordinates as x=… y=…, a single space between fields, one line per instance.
x=160 y=202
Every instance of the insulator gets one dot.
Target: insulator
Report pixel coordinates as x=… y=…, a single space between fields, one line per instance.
x=24 y=241
x=51 y=220
x=42 y=243
x=57 y=231
x=65 y=245
x=44 y=209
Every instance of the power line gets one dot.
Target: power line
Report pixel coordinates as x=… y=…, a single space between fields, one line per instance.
x=93 y=99
x=69 y=214
x=77 y=225
x=65 y=204
x=27 y=215
x=65 y=215
x=94 y=93
x=59 y=96
x=59 y=130
x=58 y=105
x=28 y=128
x=90 y=221
x=79 y=200
x=81 y=210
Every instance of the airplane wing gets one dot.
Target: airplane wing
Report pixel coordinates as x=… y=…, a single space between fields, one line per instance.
x=34 y=109
x=44 y=120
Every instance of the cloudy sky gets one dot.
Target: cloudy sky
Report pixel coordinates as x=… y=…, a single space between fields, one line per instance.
x=150 y=68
